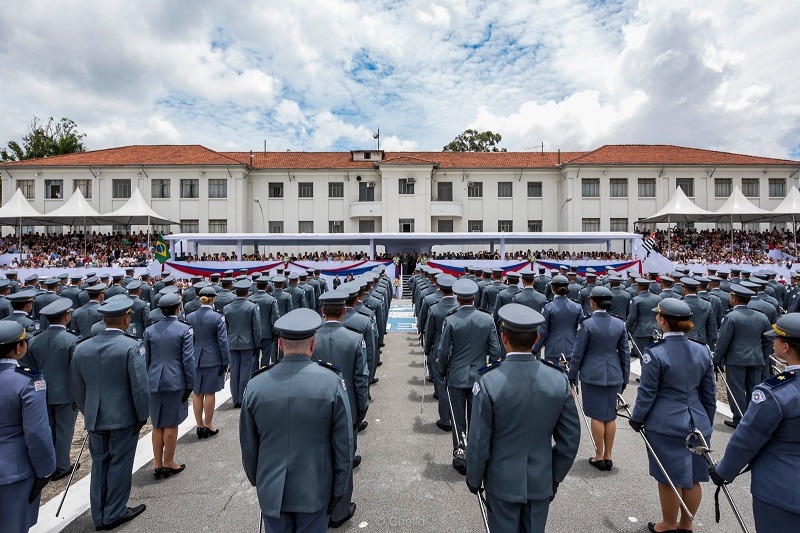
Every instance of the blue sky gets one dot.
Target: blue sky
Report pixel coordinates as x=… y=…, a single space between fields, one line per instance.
x=324 y=74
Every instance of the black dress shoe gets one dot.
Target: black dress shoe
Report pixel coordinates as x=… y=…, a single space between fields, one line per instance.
x=460 y=466
x=444 y=427
x=210 y=433
x=129 y=514
x=202 y=433
x=374 y=381
x=338 y=523
x=237 y=405
x=609 y=464
x=363 y=426
x=651 y=526
x=356 y=461
x=380 y=362
x=173 y=471
x=731 y=424
x=600 y=465
x=435 y=396
x=61 y=474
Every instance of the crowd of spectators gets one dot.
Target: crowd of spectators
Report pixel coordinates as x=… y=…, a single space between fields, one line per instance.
x=42 y=250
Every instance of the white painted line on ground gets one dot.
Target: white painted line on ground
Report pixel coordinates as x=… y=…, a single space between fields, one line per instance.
x=77 y=501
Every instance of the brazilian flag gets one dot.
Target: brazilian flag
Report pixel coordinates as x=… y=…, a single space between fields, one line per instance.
x=162 y=252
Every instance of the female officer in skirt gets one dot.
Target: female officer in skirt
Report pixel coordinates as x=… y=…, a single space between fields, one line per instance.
x=211 y=357
x=169 y=345
x=768 y=438
x=677 y=395
x=27 y=457
x=602 y=358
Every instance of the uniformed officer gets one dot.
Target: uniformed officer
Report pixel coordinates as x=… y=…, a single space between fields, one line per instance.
x=641 y=321
x=433 y=336
x=742 y=349
x=542 y=282
x=760 y=304
x=560 y=326
x=268 y=313
x=468 y=337
x=191 y=292
x=583 y=295
x=73 y=290
x=11 y=276
x=716 y=303
x=194 y=304
x=116 y=286
x=108 y=380
x=486 y=280
x=213 y=280
x=27 y=458
x=359 y=322
x=244 y=338
x=620 y=300
x=506 y=296
x=360 y=307
x=298 y=295
x=372 y=300
x=22 y=303
x=529 y=296
x=49 y=353
x=140 y=310
x=427 y=302
x=211 y=360
x=5 y=305
x=314 y=283
x=491 y=291
x=308 y=290
x=602 y=359
x=346 y=349
x=520 y=407
x=225 y=295
x=296 y=432
x=169 y=349
x=44 y=299
x=130 y=272
x=702 y=317
x=768 y=438
x=677 y=395
x=89 y=314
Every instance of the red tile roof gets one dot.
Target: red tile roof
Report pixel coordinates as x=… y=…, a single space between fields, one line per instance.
x=170 y=155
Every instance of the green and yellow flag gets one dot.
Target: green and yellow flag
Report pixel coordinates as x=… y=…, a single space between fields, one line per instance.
x=162 y=251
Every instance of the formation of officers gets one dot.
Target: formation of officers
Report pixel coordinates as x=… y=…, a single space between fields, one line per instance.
x=123 y=350
x=507 y=350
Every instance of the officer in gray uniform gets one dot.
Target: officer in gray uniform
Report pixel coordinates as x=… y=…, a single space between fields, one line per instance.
x=502 y=419
x=296 y=432
x=468 y=337
x=244 y=338
x=148 y=294
x=5 y=306
x=433 y=336
x=73 y=290
x=284 y=301
x=298 y=294
x=269 y=313
x=482 y=283
x=759 y=303
x=560 y=326
x=225 y=295
x=620 y=300
x=529 y=296
x=542 y=282
x=11 y=276
x=88 y=314
x=346 y=349
x=45 y=298
x=27 y=458
x=705 y=323
x=768 y=438
x=314 y=283
x=583 y=295
x=507 y=294
x=22 y=303
x=108 y=380
x=716 y=303
x=194 y=304
x=641 y=321
x=356 y=321
x=308 y=290
x=191 y=292
x=427 y=302
x=116 y=286
x=491 y=291
x=742 y=349
x=140 y=310
x=49 y=353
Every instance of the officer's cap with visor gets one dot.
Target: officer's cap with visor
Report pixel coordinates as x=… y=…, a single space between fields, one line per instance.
x=335 y=297
x=673 y=308
x=117 y=307
x=519 y=318
x=465 y=288
x=559 y=280
x=787 y=327
x=298 y=324
x=208 y=291
x=169 y=300
x=11 y=332
x=22 y=296
x=57 y=308
x=445 y=280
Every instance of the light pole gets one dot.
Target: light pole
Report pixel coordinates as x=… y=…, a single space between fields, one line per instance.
x=561 y=212
x=263 y=220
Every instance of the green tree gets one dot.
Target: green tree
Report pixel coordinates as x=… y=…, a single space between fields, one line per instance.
x=475 y=141
x=46 y=139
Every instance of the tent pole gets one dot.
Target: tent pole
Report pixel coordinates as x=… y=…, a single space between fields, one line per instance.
x=148 y=233
x=669 y=237
x=19 y=246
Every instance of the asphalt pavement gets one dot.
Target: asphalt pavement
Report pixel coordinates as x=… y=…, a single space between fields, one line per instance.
x=405 y=481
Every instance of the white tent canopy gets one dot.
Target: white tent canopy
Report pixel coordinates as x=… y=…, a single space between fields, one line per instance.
x=737 y=208
x=136 y=212
x=77 y=212
x=17 y=211
x=680 y=209
x=789 y=209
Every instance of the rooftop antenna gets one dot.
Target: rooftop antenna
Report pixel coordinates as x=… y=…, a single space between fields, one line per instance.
x=377 y=137
x=265 y=146
x=542 y=147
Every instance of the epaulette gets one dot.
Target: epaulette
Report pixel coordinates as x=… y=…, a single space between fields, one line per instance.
x=554 y=365
x=81 y=339
x=130 y=336
x=262 y=369
x=329 y=366
x=28 y=371
x=656 y=343
x=454 y=310
x=351 y=328
x=583 y=318
x=780 y=379
x=489 y=367
x=698 y=342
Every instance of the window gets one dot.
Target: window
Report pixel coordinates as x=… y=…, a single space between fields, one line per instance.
x=336 y=189
x=647 y=188
x=535 y=226
x=406 y=225
x=445 y=226
x=217 y=188
x=120 y=228
x=190 y=226
x=367 y=155
x=121 y=189
x=28 y=188
x=305 y=189
x=276 y=191
x=85 y=186
x=723 y=226
x=161 y=229
x=475 y=226
x=619 y=188
x=619 y=224
x=159 y=188
x=590 y=188
x=366 y=226
x=750 y=187
x=505 y=225
x=687 y=184
x=53 y=189
x=647 y=226
x=534 y=189
x=505 y=189
x=190 y=188
x=444 y=191
x=335 y=226
x=305 y=226
x=475 y=189
x=57 y=230
x=217 y=225
x=366 y=192
x=777 y=188
x=276 y=226
x=590 y=224
x=723 y=187
x=406 y=185
x=685 y=225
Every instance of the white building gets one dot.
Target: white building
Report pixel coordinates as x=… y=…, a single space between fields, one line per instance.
x=606 y=189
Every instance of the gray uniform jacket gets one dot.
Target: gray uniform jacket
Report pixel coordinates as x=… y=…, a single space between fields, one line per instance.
x=519 y=409
x=224 y=297
x=583 y=298
x=542 y=284
x=468 y=337
x=489 y=295
x=557 y=333
x=108 y=380
x=741 y=339
x=705 y=323
x=210 y=338
x=506 y=296
x=433 y=328
x=284 y=301
x=530 y=297
x=84 y=318
x=298 y=296
x=49 y=353
x=169 y=348
x=42 y=301
x=346 y=349
x=114 y=290
x=764 y=307
x=139 y=314
x=147 y=293
x=429 y=301
x=362 y=323
x=620 y=303
x=244 y=325
x=641 y=319
x=73 y=293
x=268 y=312
x=311 y=298
x=296 y=434
x=602 y=353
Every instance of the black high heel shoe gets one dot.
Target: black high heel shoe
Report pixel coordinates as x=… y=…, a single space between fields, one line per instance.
x=210 y=433
x=202 y=433
x=168 y=472
x=159 y=472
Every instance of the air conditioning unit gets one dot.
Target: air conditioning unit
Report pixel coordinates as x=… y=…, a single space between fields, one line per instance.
x=370 y=184
x=410 y=180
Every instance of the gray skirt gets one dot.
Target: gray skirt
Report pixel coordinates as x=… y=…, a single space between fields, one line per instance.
x=600 y=401
x=684 y=467
x=208 y=380
x=166 y=409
